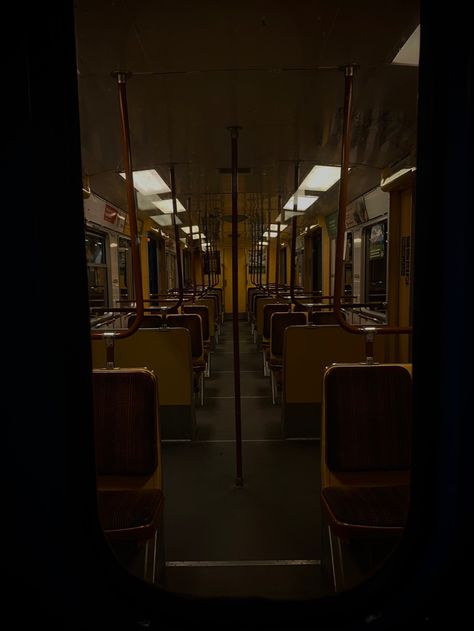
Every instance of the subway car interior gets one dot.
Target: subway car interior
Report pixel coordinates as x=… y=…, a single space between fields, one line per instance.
x=263 y=403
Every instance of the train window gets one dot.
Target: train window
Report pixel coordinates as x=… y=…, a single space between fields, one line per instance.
x=317 y=271
x=171 y=269
x=125 y=270
x=348 y=271
x=96 y=269
x=283 y=274
x=376 y=262
x=153 y=265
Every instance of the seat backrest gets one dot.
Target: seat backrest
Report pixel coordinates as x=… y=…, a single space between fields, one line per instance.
x=325 y=317
x=278 y=323
x=309 y=350
x=268 y=310
x=367 y=416
x=148 y=321
x=125 y=402
x=192 y=322
x=203 y=311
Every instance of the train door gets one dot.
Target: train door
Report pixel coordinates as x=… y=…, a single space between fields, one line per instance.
x=97 y=273
x=376 y=257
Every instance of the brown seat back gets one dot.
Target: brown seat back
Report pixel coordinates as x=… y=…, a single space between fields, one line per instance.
x=126 y=421
x=368 y=418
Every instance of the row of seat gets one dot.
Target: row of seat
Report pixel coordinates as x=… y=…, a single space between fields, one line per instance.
x=362 y=414
x=128 y=436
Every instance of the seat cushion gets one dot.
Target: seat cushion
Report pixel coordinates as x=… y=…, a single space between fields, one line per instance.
x=358 y=511
x=127 y=514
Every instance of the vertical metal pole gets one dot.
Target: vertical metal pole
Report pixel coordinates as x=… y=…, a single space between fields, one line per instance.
x=268 y=241
x=132 y=217
x=239 y=481
x=341 y=219
x=191 y=245
x=176 y=237
x=293 y=235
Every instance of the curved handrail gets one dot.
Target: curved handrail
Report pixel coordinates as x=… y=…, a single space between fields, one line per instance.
x=132 y=213
x=341 y=221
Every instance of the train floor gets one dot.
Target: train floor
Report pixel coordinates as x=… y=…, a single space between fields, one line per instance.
x=262 y=539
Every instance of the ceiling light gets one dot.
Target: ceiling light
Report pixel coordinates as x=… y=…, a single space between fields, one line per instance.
x=148 y=182
x=303 y=201
x=274 y=227
x=187 y=229
x=269 y=235
x=289 y=214
x=395 y=176
x=198 y=236
x=409 y=53
x=321 y=178
x=165 y=220
x=145 y=202
x=166 y=206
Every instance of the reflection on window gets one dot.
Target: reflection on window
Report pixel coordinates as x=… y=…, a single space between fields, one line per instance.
x=125 y=270
x=376 y=262
x=96 y=269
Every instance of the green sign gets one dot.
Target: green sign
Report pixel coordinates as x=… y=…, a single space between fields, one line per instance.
x=331 y=224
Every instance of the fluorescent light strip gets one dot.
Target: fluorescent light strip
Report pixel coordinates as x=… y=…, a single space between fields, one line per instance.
x=395 y=176
x=187 y=229
x=166 y=206
x=303 y=201
x=289 y=214
x=148 y=182
x=409 y=53
x=320 y=178
x=165 y=220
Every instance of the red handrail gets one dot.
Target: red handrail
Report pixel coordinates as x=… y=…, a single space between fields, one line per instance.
x=132 y=214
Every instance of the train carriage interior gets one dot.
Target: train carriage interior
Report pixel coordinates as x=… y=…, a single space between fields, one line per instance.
x=250 y=193
x=243 y=131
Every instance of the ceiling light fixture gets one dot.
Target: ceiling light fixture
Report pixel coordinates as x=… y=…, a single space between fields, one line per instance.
x=148 y=182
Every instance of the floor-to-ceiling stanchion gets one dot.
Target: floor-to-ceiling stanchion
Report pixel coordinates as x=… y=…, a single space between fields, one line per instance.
x=239 y=480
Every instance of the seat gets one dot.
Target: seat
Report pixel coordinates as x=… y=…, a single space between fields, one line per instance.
x=365 y=456
x=192 y=322
x=279 y=321
x=128 y=466
x=268 y=310
x=203 y=311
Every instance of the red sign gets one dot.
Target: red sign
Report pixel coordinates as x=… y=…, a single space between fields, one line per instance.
x=110 y=214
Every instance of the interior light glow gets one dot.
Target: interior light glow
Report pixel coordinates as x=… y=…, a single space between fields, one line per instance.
x=269 y=235
x=166 y=206
x=198 y=236
x=165 y=220
x=187 y=229
x=274 y=227
x=409 y=53
x=289 y=214
x=320 y=178
x=148 y=182
x=303 y=201
x=395 y=176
